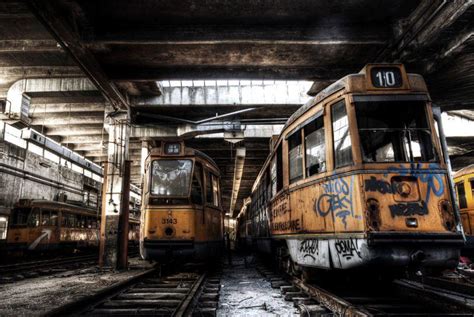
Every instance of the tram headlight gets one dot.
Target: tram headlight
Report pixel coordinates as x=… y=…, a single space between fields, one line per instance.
x=169 y=231
x=446 y=209
x=373 y=211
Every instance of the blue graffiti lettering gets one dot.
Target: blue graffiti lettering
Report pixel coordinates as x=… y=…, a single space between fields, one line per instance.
x=433 y=181
x=337 y=200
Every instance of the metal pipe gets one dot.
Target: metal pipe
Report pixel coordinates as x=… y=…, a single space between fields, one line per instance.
x=444 y=148
x=122 y=262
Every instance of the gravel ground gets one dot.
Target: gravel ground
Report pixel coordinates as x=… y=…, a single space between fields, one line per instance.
x=36 y=296
x=244 y=292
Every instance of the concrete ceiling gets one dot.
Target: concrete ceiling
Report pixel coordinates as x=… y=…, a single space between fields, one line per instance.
x=124 y=46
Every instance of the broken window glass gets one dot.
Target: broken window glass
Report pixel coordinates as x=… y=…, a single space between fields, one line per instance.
x=315 y=147
x=171 y=177
x=295 y=156
x=341 y=135
x=394 y=132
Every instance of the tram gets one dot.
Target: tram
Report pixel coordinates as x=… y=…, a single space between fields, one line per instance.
x=464 y=183
x=182 y=215
x=357 y=178
x=37 y=225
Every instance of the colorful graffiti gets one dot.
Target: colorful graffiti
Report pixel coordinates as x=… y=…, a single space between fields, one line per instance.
x=336 y=200
x=433 y=181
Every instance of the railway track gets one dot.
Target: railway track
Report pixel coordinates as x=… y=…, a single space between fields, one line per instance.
x=430 y=297
x=149 y=294
x=14 y=272
x=19 y=271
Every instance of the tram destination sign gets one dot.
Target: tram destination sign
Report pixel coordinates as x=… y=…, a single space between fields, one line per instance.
x=386 y=77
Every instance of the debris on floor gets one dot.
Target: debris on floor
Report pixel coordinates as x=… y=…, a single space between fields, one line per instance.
x=36 y=296
x=245 y=292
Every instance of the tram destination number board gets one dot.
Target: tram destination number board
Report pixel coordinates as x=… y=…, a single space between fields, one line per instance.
x=386 y=77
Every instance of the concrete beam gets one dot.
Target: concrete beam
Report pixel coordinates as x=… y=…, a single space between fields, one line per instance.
x=196 y=71
x=55 y=21
x=13 y=46
x=39 y=71
x=67 y=119
x=211 y=130
x=229 y=92
x=67 y=107
x=82 y=129
x=217 y=34
x=75 y=139
x=57 y=85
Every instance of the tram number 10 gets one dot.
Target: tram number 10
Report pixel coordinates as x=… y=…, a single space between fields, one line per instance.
x=386 y=77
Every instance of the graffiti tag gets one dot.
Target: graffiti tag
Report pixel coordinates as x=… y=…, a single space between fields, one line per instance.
x=377 y=185
x=309 y=248
x=408 y=209
x=347 y=248
x=434 y=182
x=337 y=199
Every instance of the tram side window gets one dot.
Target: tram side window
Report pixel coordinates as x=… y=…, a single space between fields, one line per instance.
x=341 y=135
x=215 y=191
x=295 y=156
x=54 y=218
x=315 y=147
x=3 y=227
x=276 y=172
x=472 y=188
x=208 y=188
x=196 y=187
x=69 y=220
x=45 y=217
x=273 y=176
x=34 y=218
x=20 y=216
x=461 y=195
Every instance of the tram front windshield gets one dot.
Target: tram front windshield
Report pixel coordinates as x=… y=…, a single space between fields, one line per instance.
x=394 y=132
x=171 y=177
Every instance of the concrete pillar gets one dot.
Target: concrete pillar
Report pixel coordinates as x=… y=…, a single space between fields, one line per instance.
x=113 y=189
x=144 y=155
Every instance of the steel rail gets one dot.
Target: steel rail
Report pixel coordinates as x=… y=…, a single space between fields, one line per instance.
x=185 y=308
x=331 y=301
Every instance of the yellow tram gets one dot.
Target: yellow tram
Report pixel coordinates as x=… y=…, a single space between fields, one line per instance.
x=38 y=225
x=182 y=215
x=44 y=225
x=358 y=177
x=464 y=183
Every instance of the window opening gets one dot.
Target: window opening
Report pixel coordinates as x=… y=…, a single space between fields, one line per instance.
x=315 y=147
x=394 y=132
x=341 y=135
x=171 y=177
x=295 y=156
x=462 y=195
x=196 y=188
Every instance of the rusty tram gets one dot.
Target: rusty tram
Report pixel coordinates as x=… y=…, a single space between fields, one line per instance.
x=182 y=215
x=464 y=182
x=358 y=177
x=44 y=225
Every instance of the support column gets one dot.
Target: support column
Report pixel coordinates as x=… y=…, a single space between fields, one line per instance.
x=114 y=190
x=144 y=155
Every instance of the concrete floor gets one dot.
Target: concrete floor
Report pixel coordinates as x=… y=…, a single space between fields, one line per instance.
x=37 y=296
